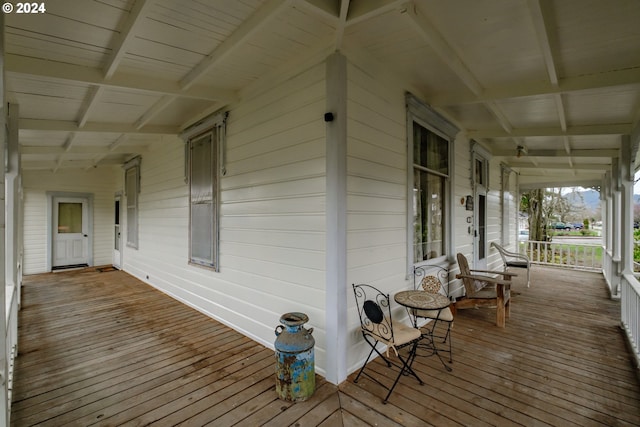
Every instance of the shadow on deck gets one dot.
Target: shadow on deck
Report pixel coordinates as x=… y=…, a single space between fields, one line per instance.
x=107 y=349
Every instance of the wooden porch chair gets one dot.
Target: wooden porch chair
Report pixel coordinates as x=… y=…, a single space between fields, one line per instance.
x=484 y=288
x=514 y=259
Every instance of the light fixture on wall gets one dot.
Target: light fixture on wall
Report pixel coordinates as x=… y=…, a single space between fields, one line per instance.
x=521 y=150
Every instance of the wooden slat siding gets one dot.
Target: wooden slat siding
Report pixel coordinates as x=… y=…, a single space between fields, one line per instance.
x=560 y=361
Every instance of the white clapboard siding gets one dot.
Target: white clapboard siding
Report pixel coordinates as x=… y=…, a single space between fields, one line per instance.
x=272 y=215
x=376 y=192
x=463 y=241
x=102 y=183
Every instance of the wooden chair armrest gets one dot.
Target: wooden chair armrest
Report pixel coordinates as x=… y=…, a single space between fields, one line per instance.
x=484 y=279
x=502 y=273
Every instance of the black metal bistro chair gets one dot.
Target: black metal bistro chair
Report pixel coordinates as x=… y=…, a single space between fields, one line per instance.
x=377 y=326
x=435 y=280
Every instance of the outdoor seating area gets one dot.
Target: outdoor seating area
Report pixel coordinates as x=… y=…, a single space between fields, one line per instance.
x=107 y=349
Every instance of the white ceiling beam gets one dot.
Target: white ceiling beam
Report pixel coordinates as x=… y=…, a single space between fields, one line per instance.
x=544 y=35
x=547 y=39
x=499 y=116
x=535 y=182
x=342 y=23
x=113 y=147
x=554 y=166
x=607 y=129
x=566 y=85
x=450 y=57
x=327 y=9
x=247 y=29
x=443 y=49
x=67 y=146
x=84 y=149
x=127 y=34
x=69 y=164
x=89 y=104
x=70 y=126
x=16 y=64
x=364 y=10
x=560 y=153
x=152 y=112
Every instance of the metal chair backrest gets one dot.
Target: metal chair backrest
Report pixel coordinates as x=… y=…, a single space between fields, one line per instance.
x=374 y=311
x=431 y=278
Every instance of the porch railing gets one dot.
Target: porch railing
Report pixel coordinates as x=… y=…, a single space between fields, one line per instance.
x=573 y=255
x=630 y=312
x=11 y=338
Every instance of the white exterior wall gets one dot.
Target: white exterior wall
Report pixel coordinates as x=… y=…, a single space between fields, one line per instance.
x=101 y=182
x=462 y=188
x=272 y=215
x=376 y=194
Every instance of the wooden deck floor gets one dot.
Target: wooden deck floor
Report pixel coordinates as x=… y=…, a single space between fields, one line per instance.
x=106 y=349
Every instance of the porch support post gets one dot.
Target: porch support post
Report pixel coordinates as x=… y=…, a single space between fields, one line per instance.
x=336 y=218
x=4 y=363
x=626 y=189
x=12 y=201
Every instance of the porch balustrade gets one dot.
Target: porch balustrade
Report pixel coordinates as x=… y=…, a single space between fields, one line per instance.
x=570 y=255
x=11 y=338
x=630 y=312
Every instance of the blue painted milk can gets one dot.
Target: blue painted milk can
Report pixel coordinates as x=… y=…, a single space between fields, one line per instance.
x=295 y=369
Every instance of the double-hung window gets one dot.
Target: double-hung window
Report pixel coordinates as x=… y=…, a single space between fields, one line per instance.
x=430 y=170
x=132 y=190
x=204 y=158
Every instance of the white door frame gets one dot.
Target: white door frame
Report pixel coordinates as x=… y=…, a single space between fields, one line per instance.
x=51 y=195
x=480 y=183
x=117 y=232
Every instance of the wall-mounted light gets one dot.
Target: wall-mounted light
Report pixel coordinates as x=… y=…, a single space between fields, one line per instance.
x=521 y=150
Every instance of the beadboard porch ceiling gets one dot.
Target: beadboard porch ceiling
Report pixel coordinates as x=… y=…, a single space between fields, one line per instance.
x=98 y=81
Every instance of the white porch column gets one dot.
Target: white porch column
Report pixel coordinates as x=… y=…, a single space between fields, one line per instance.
x=4 y=366
x=12 y=192
x=336 y=214
x=626 y=223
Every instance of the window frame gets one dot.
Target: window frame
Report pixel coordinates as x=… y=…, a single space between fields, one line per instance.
x=132 y=171
x=213 y=127
x=420 y=113
x=506 y=198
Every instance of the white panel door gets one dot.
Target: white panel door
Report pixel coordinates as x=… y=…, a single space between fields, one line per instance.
x=70 y=231
x=117 y=235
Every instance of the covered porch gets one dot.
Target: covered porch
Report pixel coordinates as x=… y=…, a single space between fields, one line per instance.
x=105 y=348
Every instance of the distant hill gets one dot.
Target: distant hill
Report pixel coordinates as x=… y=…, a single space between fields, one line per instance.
x=590 y=199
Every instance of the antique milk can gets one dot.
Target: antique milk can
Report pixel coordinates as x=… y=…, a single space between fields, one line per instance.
x=295 y=370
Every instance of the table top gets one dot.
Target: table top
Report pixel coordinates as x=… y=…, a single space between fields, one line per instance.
x=421 y=300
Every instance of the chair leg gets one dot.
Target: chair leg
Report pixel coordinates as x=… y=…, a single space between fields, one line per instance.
x=432 y=337
x=364 y=365
x=448 y=336
x=406 y=367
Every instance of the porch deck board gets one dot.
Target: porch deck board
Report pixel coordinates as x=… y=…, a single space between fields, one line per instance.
x=106 y=349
